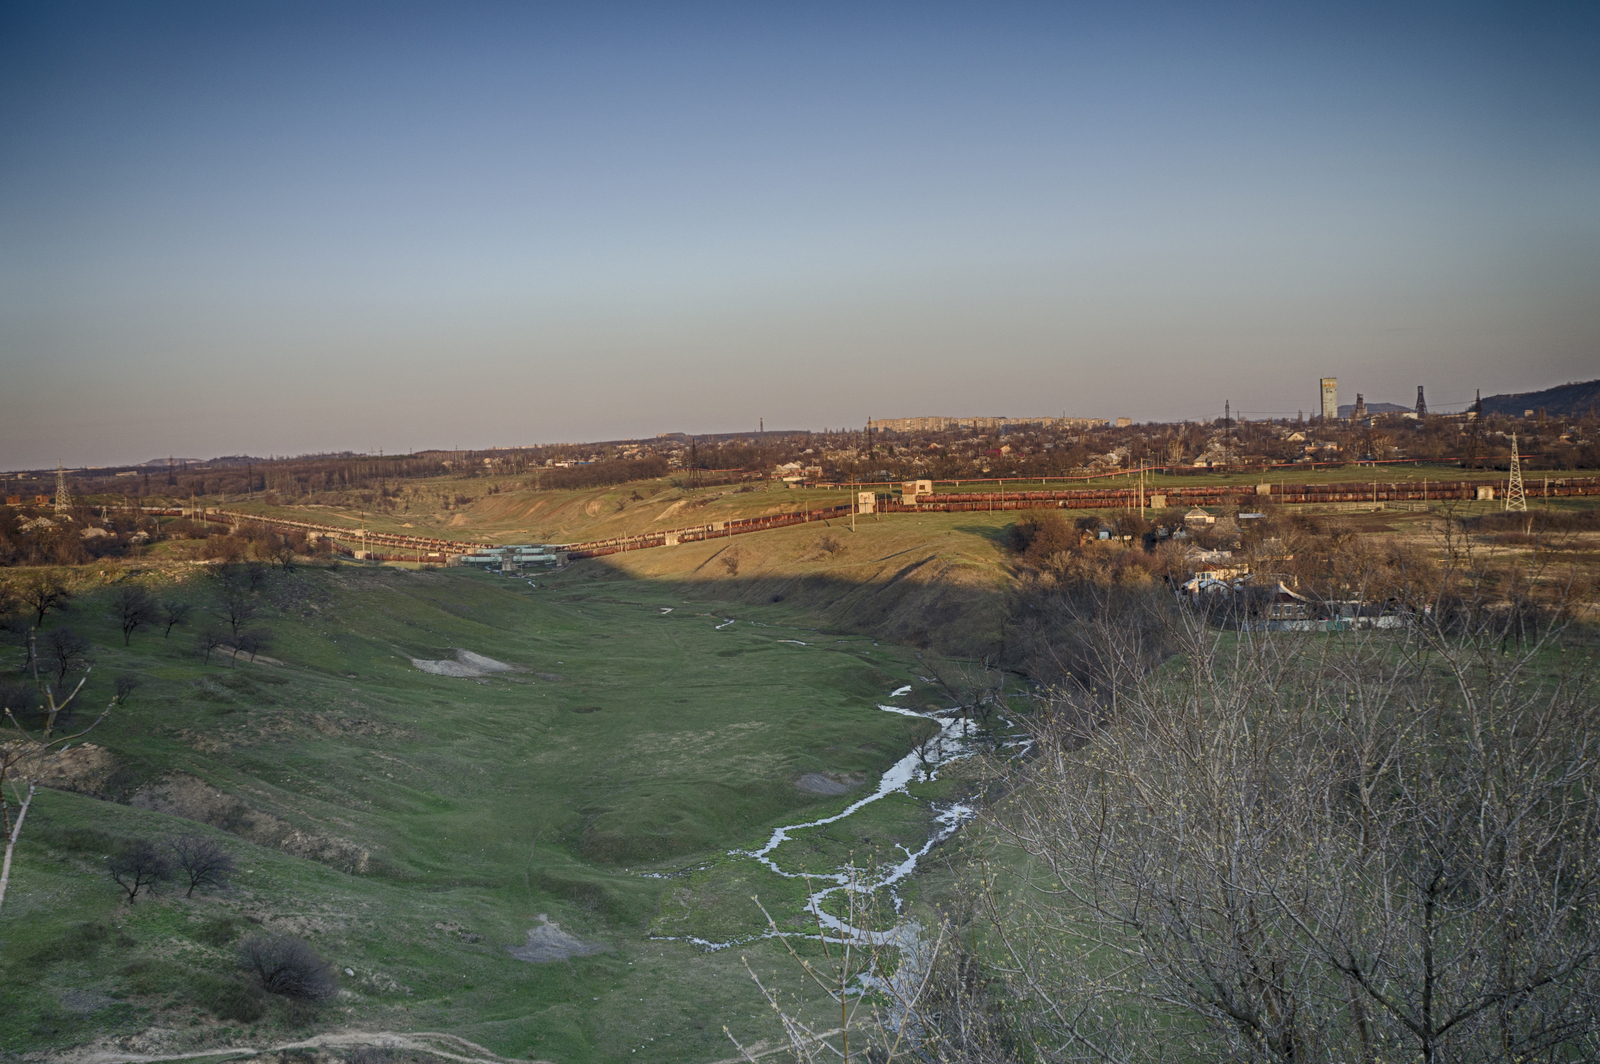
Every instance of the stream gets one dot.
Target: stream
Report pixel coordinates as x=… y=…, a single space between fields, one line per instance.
x=950 y=744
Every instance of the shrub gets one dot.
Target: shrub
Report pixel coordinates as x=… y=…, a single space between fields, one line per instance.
x=1037 y=537
x=218 y=931
x=81 y=941
x=20 y=698
x=227 y=999
x=287 y=966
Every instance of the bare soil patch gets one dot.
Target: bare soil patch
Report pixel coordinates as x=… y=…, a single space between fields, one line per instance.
x=548 y=942
x=466 y=664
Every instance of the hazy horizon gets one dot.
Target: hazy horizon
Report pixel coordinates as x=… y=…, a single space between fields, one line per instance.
x=306 y=228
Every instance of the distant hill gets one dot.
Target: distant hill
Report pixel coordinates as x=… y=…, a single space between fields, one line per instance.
x=1374 y=408
x=204 y=463
x=1568 y=400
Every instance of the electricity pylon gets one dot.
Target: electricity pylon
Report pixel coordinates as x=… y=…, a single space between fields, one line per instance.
x=1515 y=499
x=63 y=496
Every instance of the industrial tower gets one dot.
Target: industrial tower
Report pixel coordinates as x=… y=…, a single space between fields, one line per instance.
x=63 y=496
x=1515 y=499
x=1422 y=404
x=1330 y=398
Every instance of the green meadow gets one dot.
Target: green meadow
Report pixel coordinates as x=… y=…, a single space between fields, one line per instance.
x=414 y=826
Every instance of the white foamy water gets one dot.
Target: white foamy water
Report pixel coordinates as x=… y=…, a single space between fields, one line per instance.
x=950 y=744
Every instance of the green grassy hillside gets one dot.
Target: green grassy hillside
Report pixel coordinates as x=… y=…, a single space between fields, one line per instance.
x=412 y=826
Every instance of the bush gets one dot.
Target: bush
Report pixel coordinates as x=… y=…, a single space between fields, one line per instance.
x=228 y=999
x=218 y=931
x=79 y=942
x=1039 y=537
x=147 y=977
x=284 y=965
x=20 y=698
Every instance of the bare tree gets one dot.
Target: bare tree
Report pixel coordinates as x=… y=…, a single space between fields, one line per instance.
x=133 y=608
x=60 y=652
x=252 y=643
x=1296 y=848
x=978 y=689
x=138 y=866
x=846 y=958
x=24 y=760
x=172 y=613
x=125 y=684
x=283 y=552
x=208 y=640
x=202 y=861
x=239 y=604
x=44 y=593
x=252 y=576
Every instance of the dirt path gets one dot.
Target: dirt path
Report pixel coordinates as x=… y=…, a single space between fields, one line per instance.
x=438 y=1044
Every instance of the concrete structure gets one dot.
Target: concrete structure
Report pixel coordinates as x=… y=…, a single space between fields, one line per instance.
x=866 y=502
x=912 y=488
x=1330 y=398
x=1124 y=422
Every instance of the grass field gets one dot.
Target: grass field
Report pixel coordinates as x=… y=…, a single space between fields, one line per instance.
x=412 y=826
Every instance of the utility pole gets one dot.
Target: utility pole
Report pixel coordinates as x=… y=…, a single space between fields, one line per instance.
x=1515 y=498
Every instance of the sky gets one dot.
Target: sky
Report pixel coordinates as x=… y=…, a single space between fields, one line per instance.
x=288 y=228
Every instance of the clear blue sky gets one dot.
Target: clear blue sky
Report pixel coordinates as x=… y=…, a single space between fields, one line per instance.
x=279 y=228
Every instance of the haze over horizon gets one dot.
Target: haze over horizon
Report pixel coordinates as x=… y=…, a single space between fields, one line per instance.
x=297 y=228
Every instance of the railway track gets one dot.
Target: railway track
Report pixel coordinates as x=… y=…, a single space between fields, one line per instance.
x=1375 y=493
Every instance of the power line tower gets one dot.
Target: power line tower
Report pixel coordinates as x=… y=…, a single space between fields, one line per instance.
x=1515 y=499
x=1422 y=404
x=63 y=496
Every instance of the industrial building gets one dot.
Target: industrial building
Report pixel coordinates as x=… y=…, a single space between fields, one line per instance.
x=1330 y=398
x=981 y=424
